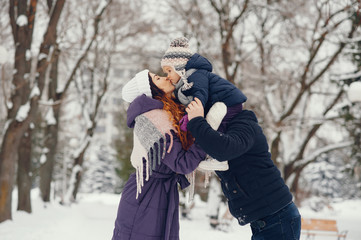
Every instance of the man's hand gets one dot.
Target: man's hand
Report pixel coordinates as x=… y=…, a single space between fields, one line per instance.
x=195 y=109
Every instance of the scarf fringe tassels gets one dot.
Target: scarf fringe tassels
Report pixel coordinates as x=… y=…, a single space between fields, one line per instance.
x=150 y=129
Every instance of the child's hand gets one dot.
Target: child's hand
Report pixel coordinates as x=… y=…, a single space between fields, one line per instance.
x=195 y=109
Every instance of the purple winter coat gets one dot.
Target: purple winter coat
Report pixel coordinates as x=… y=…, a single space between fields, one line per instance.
x=154 y=215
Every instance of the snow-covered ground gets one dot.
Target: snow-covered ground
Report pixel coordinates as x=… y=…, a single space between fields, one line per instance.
x=93 y=217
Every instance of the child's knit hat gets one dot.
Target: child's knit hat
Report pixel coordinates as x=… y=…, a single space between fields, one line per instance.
x=177 y=55
x=137 y=86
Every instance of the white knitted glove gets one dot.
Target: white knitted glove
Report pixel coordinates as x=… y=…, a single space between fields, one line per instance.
x=214 y=119
x=211 y=164
x=216 y=114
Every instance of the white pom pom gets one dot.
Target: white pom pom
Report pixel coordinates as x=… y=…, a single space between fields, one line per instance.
x=180 y=42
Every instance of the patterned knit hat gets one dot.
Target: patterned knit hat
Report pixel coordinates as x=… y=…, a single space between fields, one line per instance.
x=137 y=86
x=177 y=55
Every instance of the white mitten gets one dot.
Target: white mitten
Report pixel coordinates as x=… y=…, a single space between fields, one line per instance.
x=211 y=164
x=214 y=119
x=216 y=114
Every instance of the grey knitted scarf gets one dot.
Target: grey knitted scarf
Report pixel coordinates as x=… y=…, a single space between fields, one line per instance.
x=149 y=130
x=183 y=85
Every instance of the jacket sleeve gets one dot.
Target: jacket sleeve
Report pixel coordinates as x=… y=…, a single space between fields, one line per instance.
x=238 y=139
x=180 y=160
x=200 y=88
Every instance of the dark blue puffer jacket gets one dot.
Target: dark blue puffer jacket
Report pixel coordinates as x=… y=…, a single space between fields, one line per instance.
x=253 y=185
x=209 y=87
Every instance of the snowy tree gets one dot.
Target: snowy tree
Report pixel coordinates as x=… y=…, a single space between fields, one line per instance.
x=25 y=151
x=56 y=96
x=214 y=201
x=25 y=93
x=100 y=32
x=51 y=118
x=352 y=108
x=281 y=54
x=100 y=176
x=92 y=81
x=338 y=173
x=354 y=117
x=295 y=52
x=6 y=46
x=123 y=146
x=230 y=15
x=328 y=177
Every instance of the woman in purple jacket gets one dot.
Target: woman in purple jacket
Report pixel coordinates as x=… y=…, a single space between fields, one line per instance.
x=162 y=155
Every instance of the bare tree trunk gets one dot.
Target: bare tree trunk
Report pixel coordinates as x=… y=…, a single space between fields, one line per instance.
x=275 y=149
x=45 y=48
x=46 y=169
x=24 y=151
x=24 y=179
x=51 y=132
x=79 y=159
x=79 y=162
x=294 y=186
x=8 y=159
x=227 y=24
x=22 y=34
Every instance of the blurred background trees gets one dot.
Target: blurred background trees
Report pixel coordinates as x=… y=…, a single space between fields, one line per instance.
x=63 y=64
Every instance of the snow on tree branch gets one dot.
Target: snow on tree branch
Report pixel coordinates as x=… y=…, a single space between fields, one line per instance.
x=81 y=148
x=270 y=100
x=346 y=76
x=23 y=112
x=49 y=118
x=322 y=150
x=34 y=92
x=102 y=6
x=22 y=21
x=352 y=40
x=70 y=190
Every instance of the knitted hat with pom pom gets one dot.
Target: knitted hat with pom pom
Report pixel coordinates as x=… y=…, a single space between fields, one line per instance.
x=177 y=55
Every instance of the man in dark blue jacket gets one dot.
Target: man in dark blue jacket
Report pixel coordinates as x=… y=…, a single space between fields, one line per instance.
x=253 y=185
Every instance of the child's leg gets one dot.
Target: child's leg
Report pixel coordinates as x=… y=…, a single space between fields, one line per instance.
x=214 y=118
x=216 y=114
x=183 y=123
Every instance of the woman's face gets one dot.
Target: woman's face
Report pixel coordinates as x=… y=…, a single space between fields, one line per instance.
x=172 y=75
x=163 y=83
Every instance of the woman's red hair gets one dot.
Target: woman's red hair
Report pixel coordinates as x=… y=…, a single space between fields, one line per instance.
x=175 y=111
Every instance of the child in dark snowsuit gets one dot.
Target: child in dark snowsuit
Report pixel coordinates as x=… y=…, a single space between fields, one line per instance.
x=192 y=76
